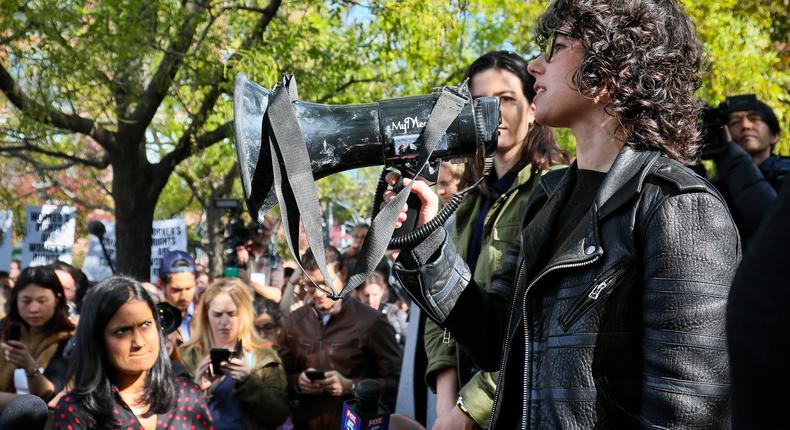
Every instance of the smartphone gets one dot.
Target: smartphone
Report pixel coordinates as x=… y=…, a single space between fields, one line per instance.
x=314 y=375
x=218 y=355
x=14 y=331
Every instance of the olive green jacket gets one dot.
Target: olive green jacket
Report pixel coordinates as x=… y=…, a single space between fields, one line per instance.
x=501 y=229
x=263 y=396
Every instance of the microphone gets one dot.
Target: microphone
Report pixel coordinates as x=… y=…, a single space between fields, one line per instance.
x=24 y=411
x=365 y=412
x=97 y=229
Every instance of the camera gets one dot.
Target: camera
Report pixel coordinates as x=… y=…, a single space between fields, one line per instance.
x=714 y=119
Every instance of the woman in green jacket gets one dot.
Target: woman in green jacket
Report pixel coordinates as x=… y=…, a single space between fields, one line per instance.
x=487 y=223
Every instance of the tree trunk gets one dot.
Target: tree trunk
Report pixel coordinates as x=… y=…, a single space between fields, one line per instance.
x=135 y=190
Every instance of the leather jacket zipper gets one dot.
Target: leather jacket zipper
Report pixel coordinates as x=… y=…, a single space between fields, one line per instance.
x=505 y=353
x=590 y=296
x=526 y=395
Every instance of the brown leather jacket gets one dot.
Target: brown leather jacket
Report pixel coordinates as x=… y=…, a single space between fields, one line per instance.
x=358 y=342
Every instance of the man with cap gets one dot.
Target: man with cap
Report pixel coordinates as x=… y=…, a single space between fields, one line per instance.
x=749 y=175
x=177 y=281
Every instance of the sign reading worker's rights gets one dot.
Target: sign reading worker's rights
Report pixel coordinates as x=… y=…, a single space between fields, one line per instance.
x=167 y=235
x=49 y=234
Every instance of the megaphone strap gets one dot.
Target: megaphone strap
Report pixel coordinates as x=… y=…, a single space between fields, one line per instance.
x=297 y=193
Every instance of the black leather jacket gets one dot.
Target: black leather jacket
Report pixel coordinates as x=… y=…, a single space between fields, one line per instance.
x=623 y=327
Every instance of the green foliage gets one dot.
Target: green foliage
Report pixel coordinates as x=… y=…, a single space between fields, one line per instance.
x=95 y=59
x=742 y=41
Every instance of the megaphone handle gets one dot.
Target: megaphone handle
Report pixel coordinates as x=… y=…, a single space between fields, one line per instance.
x=415 y=204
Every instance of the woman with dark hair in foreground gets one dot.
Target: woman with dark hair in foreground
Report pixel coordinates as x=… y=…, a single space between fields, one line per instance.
x=122 y=377
x=620 y=281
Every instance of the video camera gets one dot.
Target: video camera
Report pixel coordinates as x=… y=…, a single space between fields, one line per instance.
x=236 y=233
x=714 y=119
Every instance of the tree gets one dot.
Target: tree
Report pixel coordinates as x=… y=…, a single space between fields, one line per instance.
x=132 y=89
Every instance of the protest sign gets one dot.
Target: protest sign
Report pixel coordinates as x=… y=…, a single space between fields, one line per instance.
x=95 y=265
x=167 y=235
x=49 y=234
x=6 y=234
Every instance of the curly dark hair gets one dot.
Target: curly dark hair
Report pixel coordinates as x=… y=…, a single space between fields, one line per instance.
x=645 y=55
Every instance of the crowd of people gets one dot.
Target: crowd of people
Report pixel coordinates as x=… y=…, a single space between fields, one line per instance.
x=586 y=292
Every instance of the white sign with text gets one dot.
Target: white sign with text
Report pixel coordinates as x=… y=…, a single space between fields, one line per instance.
x=6 y=236
x=49 y=234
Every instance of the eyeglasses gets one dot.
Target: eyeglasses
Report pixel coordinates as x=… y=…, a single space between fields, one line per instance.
x=267 y=327
x=548 y=52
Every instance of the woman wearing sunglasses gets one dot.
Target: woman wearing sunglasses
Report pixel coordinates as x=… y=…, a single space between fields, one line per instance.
x=619 y=284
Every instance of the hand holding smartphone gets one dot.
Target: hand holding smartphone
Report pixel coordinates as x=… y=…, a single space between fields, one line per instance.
x=218 y=355
x=314 y=375
x=14 y=331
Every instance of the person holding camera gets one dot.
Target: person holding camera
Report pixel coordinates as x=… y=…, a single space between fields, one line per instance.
x=260 y=265
x=36 y=335
x=335 y=344
x=121 y=373
x=749 y=174
x=610 y=311
x=240 y=375
x=493 y=216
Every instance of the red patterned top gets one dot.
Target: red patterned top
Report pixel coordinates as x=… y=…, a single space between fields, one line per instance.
x=190 y=412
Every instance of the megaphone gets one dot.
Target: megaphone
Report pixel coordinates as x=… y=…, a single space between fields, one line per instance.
x=345 y=137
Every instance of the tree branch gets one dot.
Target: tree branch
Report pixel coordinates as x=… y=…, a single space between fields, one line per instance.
x=343 y=87
x=192 y=187
x=163 y=78
x=98 y=163
x=50 y=116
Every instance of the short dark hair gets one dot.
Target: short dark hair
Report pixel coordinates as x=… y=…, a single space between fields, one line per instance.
x=92 y=371
x=767 y=115
x=44 y=277
x=332 y=256
x=645 y=55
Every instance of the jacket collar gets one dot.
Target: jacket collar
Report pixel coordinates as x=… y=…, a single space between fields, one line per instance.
x=624 y=180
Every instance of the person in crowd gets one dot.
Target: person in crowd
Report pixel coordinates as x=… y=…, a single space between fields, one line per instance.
x=351 y=254
x=525 y=151
x=756 y=312
x=72 y=280
x=250 y=391
x=5 y=292
x=749 y=174
x=36 y=361
x=293 y=293
x=375 y=293
x=202 y=279
x=177 y=282
x=260 y=265
x=449 y=181
x=14 y=270
x=121 y=375
x=344 y=339
x=268 y=323
x=610 y=312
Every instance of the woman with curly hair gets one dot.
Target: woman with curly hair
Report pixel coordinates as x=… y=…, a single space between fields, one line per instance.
x=620 y=281
x=248 y=390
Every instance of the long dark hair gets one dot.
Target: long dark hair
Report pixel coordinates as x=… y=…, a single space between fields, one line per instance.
x=44 y=277
x=645 y=55
x=540 y=148
x=92 y=371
